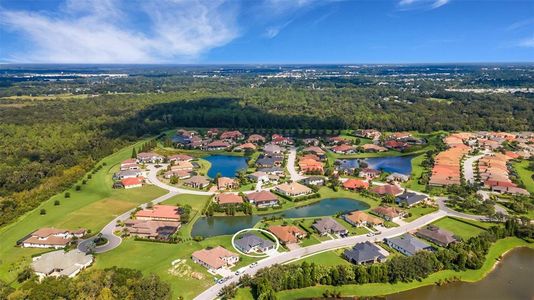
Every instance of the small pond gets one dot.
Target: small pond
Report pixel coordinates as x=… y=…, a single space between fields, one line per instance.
x=390 y=164
x=227 y=165
x=223 y=225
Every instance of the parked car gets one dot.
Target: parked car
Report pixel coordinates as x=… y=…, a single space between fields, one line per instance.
x=252 y=265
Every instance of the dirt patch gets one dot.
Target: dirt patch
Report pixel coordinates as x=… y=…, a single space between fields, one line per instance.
x=180 y=268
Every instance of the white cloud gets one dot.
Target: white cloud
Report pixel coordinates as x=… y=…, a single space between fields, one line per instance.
x=527 y=43
x=421 y=4
x=99 y=31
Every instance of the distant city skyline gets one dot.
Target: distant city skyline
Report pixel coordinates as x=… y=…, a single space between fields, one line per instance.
x=266 y=31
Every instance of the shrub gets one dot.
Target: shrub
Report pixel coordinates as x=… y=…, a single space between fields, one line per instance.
x=43 y=211
x=56 y=202
x=78 y=187
x=67 y=195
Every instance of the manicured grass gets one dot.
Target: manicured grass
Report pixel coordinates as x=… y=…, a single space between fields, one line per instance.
x=328 y=258
x=243 y=294
x=151 y=257
x=197 y=203
x=94 y=206
x=525 y=175
x=419 y=211
x=379 y=289
x=417 y=170
x=458 y=227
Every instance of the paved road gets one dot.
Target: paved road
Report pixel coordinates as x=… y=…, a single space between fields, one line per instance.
x=153 y=178
x=442 y=207
x=291 y=158
x=285 y=257
x=469 y=172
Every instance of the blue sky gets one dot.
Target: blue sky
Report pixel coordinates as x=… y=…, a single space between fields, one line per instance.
x=266 y=31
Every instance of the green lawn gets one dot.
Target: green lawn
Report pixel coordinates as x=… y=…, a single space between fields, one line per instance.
x=419 y=211
x=417 y=170
x=328 y=258
x=380 y=289
x=525 y=174
x=92 y=207
x=151 y=257
x=197 y=203
x=459 y=227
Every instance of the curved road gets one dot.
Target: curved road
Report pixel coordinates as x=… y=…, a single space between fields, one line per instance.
x=107 y=232
x=291 y=158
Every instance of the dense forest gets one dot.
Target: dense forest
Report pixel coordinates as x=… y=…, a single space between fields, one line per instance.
x=47 y=144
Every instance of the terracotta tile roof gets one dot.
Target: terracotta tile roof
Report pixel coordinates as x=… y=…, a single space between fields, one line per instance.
x=387 y=189
x=263 y=196
x=287 y=234
x=132 y=181
x=355 y=184
x=213 y=257
x=160 y=212
x=359 y=217
x=229 y=199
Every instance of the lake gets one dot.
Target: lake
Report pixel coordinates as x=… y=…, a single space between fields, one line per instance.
x=227 y=165
x=390 y=164
x=223 y=225
x=512 y=279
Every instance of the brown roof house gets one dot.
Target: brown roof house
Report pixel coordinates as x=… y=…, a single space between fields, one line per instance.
x=215 y=258
x=287 y=234
x=159 y=213
x=51 y=238
x=329 y=226
x=224 y=183
x=436 y=235
x=387 y=189
x=293 y=189
x=359 y=218
x=388 y=213
x=262 y=199
x=225 y=199
x=160 y=230
x=198 y=182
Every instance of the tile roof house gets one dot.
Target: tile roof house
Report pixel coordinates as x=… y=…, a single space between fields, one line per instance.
x=256 y=138
x=231 y=135
x=224 y=183
x=159 y=213
x=259 y=176
x=182 y=165
x=410 y=199
x=287 y=234
x=50 y=238
x=160 y=230
x=245 y=146
x=197 y=181
x=309 y=165
x=387 y=189
x=130 y=183
x=396 y=145
x=365 y=253
x=271 y=148
x=407 y=244
x=252 y=243
x=355 y=184
x=278 y=139
x=329 y=226
x=215 y=258
x=360 y=218
x=180 y=174
x=180 y=157
x=389 y=213
x=313 y=180
x=397 y=177
x=373 y=148
x=369 y=173
x=61 y=263
x=293 y=189
x=149 y=157
x=436 y=235
x=217 y=145
x=343 y=149
x=262 y=199
x=315 y=150
x=130 y=173
x=225 y=199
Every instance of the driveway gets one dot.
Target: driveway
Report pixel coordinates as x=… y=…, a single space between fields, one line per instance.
x=469 y=172
x=291 y=158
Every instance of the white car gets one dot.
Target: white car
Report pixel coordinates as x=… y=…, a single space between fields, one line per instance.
x=252 y=265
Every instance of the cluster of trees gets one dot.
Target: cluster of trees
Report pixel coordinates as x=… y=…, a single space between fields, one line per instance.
x=460 y=256
x=113 y=283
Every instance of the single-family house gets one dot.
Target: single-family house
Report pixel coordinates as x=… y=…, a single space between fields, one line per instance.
x=313 y=180
x=197 y=181
x=228 y=199
x=180 y=174
x=224 y=183
x=398 y=177
x=365 y=253
x=180 y=157
x=250 y=243
x=329 y=226
x=359 y=218
x=272 y=149
x=215 y=258
x=389 y=213
x=217 y=145
x=159 y=212
x=262 y=199
x=407 y=244
x=148 y=229
x=130 y=183
x=343 y=149
x=256 y=139
x=355 y=184
x=287 y=234
x=436 y=235
x=293 y=189
x=233 y=135
x=409 y=199
x=259 y=176
x=373 y=148
x=387 y=189
x=369 y=173
x=149 y=157
x=61 y=263
x=50 y=238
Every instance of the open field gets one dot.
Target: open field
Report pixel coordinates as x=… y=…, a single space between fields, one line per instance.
x=153 y=257
x=197 y=203
x=379 y=289
x=328 y=258
x=92 y=207
x=461 y=228
x=525 y=175
x=419 y=211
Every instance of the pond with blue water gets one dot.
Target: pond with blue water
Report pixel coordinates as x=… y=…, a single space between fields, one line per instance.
x=390 y=164
x=227 y=165
x=223 y=225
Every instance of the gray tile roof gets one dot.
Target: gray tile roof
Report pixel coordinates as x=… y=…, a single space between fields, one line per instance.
x=249 y=241
x=409 y=243
x=364 y=252
x=410 y=198
x=328 y=225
